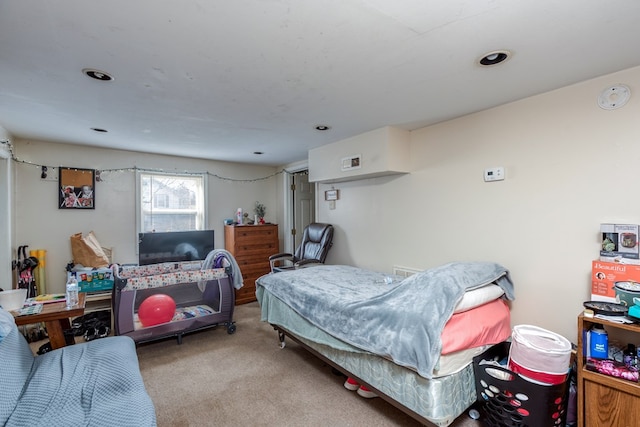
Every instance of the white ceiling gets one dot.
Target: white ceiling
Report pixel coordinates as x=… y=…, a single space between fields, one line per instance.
x=221 y=79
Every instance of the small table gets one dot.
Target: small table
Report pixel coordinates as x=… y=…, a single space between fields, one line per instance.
x=55 y=316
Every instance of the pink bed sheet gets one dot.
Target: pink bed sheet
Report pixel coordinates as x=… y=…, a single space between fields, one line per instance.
x=487 y=324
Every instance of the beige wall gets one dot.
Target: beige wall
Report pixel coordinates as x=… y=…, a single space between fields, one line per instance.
x=569 y=167
x=41 y=225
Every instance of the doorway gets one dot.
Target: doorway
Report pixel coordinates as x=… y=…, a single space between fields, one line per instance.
x=303 y=205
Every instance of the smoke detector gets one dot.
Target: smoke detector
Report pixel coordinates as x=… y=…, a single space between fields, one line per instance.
x=614 y=97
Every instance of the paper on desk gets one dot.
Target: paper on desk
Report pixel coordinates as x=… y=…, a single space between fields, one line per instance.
x=615 y=319
x=46 y=298
x=30 y=309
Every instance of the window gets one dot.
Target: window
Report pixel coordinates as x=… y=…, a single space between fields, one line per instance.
x=161 y=201
x=171 y=202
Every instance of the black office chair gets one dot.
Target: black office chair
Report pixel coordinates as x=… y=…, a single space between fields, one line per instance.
x=316 y=242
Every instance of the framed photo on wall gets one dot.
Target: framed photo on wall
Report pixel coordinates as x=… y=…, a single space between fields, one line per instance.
x=76 y=188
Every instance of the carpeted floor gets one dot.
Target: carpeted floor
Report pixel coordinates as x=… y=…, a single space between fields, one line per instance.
x=245 y=379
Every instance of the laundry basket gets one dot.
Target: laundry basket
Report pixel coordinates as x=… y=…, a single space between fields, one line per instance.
x=508 y=400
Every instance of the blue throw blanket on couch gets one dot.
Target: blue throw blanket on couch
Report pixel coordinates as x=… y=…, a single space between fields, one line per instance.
x=91 y=384
x=400 y=320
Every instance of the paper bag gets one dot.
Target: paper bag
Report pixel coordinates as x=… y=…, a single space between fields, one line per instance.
x=87 y=251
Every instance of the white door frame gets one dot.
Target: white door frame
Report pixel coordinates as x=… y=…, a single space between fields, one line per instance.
x=288 y=203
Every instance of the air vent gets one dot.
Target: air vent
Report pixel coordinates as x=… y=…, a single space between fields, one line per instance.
x=399 y=270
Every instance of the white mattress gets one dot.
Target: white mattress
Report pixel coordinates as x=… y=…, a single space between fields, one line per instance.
x=182 y=313
x=455 y=362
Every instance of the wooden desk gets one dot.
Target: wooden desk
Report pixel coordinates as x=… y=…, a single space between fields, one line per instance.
x=55 y=316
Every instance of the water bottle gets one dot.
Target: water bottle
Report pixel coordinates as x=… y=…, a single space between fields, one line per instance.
x=71 y=294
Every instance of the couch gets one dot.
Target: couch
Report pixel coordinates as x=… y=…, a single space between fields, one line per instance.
x=97 y=383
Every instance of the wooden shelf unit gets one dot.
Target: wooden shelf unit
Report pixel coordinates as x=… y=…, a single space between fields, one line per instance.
x=605 y=401
x=251 y=246
x=96 y=301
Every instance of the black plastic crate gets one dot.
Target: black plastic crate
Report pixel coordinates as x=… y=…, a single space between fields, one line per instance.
x=508 y=400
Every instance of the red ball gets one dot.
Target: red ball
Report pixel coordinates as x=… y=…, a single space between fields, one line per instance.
x=156 y=309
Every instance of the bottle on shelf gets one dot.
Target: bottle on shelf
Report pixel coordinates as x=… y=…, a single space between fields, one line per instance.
x=598 y=342
x=71 y=294
x=630 y=357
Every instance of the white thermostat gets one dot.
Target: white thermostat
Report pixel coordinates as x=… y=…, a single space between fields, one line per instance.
x=494 y=174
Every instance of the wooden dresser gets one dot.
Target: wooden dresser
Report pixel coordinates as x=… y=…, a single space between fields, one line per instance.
x=251 y=246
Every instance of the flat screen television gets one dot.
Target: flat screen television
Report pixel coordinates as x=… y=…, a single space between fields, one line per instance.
x=174 y=246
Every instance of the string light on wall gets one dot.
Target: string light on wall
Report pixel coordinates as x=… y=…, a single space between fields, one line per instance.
x=44 y=169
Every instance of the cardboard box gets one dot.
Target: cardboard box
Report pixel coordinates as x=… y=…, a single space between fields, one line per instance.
x=604 y=276
x=620 y=260
x=98 y=280
x=620 y=241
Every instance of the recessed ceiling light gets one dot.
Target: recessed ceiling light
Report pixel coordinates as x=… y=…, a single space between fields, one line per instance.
x=97 y=74
x=495 y=57
x=99 y=130
x=323 y=127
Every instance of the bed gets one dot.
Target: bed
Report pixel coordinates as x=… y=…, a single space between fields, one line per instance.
x=410 y=340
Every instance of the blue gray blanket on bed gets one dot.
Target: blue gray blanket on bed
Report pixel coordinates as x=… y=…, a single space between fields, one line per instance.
x=398 y=319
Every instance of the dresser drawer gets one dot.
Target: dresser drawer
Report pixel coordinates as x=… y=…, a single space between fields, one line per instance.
x=256 y=233
x=246 y=294
x=254 y=269
x=256 y=251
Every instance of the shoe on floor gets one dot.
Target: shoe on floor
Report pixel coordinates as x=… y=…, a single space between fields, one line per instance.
x=45 y=348
x=366 y=393
x=102 y=331
x=351 y=384
x=90 y=334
